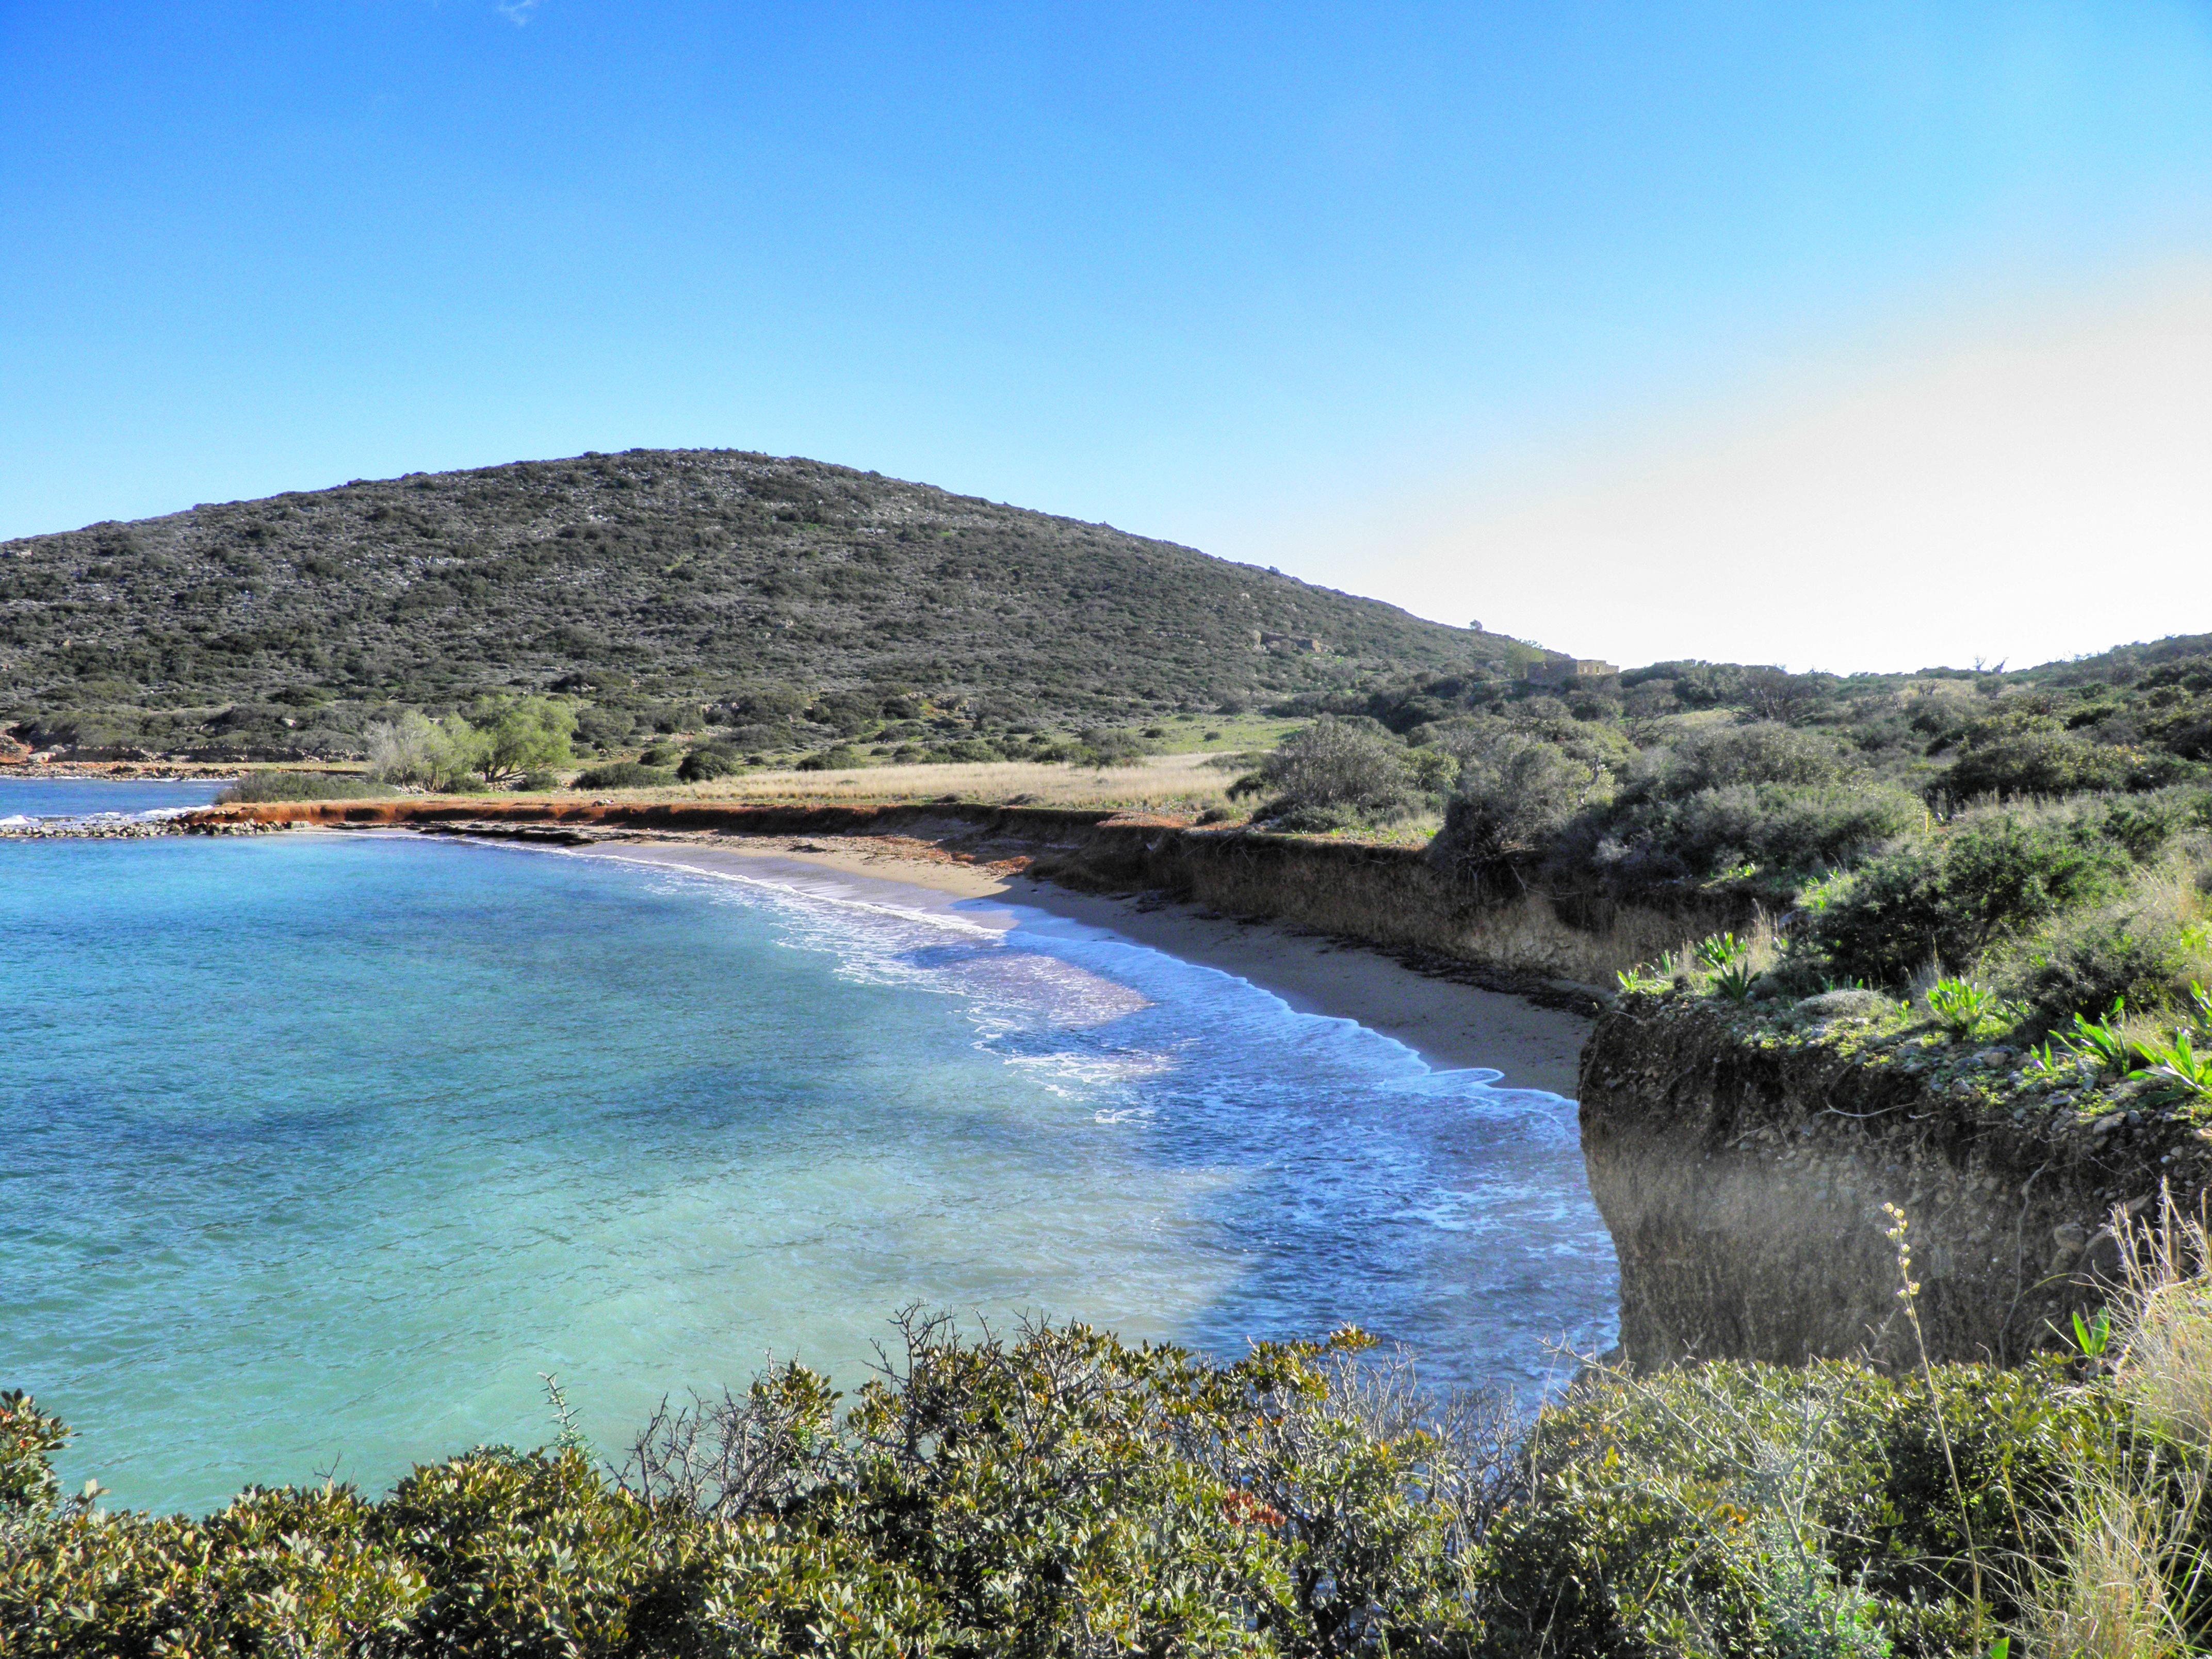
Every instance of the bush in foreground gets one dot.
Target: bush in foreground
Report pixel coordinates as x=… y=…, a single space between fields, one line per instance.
x=1062 y=1493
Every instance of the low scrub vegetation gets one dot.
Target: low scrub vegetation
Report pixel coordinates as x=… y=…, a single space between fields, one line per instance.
x=1061 y=1492
x=788 y=602
x=625 y=775
x=2046 y=833
x=273 y=786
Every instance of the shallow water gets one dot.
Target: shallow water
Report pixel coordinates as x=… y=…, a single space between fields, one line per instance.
x=78 y=798
x=318 y=1149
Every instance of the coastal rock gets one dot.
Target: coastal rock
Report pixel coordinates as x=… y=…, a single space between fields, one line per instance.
x=1844 y=1005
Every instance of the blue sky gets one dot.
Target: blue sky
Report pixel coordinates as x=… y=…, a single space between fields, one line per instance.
x=1365 y=291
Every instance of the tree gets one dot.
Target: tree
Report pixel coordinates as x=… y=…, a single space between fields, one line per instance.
x=530 y=734
x=417 y=749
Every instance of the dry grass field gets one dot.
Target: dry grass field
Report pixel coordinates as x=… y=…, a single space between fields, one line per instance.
x=1182 y=786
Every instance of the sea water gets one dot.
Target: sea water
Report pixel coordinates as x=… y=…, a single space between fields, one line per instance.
x=317 y=1151
x=24 y=800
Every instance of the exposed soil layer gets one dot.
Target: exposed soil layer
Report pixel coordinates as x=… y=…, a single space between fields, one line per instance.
x=1744 y=1179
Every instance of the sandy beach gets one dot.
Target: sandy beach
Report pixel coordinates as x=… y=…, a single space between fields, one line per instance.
x=1450 y=1025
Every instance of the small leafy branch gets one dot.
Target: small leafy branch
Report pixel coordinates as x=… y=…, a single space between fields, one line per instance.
x=569 y=1435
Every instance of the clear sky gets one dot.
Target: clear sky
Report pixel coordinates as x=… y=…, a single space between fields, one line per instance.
x=1844 y=336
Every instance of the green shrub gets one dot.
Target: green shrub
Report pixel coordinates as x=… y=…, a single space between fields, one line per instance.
x=838 y=757
x=1098 y=745
x=626 y=774
x=299 y=785
x=1331 y=774
x=1948 y=898
x=2042 y=763
x=708 y=761
x=1753 y=1509
x=1778 y=834
x=412 y=748
x=2138 y=949
x=973 y=750
x=1761 y=752
x=1058 y=1493
x=1514 y=794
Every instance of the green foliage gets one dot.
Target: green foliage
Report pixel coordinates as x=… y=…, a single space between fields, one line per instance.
x=527 y=734
x=2042 y=763
x=625 y=775
x=1949 y=898
x=266 y=786
x=1096 y=745
x=2174 y=1061
x=838 y=757
x=27 y=1435
x=702 y=575
x=708 y=762
x=1735 y=757
x=1749 y=1509
x=1331 y=773
x=414 y=749
x=1719 y=951
x=1060 y=1493
x=1515 y=792
x=2093 y=1336
x=2125 y=952
x=1780 y=832
x=1735 y=982
x=1968 y=1011
x=2102 y=1044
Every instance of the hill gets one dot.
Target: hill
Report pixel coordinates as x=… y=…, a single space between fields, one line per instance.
x=699 y=576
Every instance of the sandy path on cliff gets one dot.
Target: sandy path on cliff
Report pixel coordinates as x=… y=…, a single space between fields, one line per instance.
x=1450 y=1025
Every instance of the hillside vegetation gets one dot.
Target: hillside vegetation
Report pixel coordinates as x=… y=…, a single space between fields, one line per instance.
x=681 y=586
x=2042 y=837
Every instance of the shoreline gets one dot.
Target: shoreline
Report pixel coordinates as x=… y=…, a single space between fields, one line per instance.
x=1452 y=1026
x=1529 y=1041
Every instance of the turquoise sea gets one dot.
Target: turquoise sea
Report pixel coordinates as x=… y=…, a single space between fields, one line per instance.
x=317 y=1150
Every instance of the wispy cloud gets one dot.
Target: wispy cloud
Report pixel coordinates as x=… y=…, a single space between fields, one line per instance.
x=517 y=12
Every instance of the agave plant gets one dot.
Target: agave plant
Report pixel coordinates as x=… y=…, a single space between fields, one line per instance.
x=2100 y=1042
x=1967 y=1010
x=1719 y=951
x=1735 y=980
x=2187 y=1073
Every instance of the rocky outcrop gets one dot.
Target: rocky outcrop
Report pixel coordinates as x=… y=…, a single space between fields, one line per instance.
x=1743 y=1171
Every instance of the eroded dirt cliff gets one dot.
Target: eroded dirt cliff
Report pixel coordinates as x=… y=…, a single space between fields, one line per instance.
x=1743 y=1170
